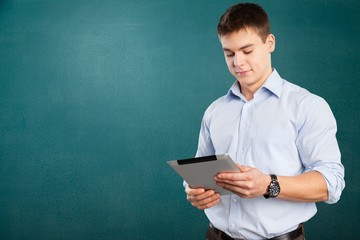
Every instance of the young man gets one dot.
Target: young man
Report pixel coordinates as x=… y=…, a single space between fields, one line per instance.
x=281 y=136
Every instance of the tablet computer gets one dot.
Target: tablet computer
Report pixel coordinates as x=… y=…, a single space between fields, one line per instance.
x=200 y=172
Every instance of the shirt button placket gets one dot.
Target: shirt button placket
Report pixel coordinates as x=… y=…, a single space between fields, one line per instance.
x=234 y=214
x=244 y=124
x=235 y=209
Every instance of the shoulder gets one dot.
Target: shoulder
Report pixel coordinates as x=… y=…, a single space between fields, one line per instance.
x=216 y=105
x=221 y=107
x=307 y=106
x=301 y=97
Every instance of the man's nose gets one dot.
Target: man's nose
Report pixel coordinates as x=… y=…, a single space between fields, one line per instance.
x=238 y=60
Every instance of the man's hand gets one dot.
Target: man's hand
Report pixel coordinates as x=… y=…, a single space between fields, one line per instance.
x=202 y=199
x=248 y=183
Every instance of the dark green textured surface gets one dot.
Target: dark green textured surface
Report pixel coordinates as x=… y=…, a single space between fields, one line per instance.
x=95 y=96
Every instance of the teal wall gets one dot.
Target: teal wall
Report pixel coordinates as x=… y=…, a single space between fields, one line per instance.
x=96 y=96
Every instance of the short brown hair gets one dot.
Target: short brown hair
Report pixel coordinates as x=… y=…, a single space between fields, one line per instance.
x=243 y=16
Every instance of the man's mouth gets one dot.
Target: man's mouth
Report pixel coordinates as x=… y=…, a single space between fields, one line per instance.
x=242 y=72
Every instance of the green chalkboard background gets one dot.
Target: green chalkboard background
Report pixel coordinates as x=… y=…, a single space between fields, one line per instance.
x=96 y=96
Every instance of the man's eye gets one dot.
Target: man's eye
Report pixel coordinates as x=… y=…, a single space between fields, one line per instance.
x=229 y=54
x=247 y=52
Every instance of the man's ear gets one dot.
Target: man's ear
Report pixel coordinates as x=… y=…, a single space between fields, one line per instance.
x=271 y=42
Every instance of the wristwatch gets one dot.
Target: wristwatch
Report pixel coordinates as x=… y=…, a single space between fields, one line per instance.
x=273 y=188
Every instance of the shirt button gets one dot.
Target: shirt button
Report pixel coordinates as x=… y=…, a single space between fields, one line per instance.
x=235 y=200
x=232 y=225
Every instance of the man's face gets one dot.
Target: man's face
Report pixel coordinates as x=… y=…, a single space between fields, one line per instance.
x=248 y=58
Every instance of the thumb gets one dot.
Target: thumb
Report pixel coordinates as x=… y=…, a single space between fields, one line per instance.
x=243 y=168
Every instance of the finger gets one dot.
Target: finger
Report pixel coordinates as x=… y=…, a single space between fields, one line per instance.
x=240 y=188
x=202 y=196
x=242 y=192
x=209 y=205
x=194 y=191
x=230 y=176
x=235 y=183
x=229 y=185
x=204 y=200
x=244 y=168
x=207 y=202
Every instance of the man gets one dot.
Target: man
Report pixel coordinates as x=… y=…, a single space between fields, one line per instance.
x=281 y=136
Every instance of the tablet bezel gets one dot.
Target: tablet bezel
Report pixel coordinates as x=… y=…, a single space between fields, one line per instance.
x=199 y=172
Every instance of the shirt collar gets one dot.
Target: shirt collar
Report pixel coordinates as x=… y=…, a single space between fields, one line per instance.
x=235 y=89
x=273 y=84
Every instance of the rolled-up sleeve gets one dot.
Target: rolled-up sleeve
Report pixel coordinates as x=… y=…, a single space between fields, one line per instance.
x=318 y=146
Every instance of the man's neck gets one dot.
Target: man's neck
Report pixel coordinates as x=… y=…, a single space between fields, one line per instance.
x=249 y=91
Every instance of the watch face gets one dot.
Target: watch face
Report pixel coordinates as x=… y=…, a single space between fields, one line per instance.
x=274 y=189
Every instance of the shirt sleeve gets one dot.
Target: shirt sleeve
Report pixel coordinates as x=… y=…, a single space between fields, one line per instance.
x=318 y=147
x=205 y=145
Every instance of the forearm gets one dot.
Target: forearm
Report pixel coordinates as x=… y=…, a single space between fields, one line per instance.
x=307 y=187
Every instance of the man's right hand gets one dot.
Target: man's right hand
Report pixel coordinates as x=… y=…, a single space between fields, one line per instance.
x=202 y=199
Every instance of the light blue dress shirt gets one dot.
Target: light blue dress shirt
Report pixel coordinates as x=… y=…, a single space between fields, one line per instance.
x=284 y=130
